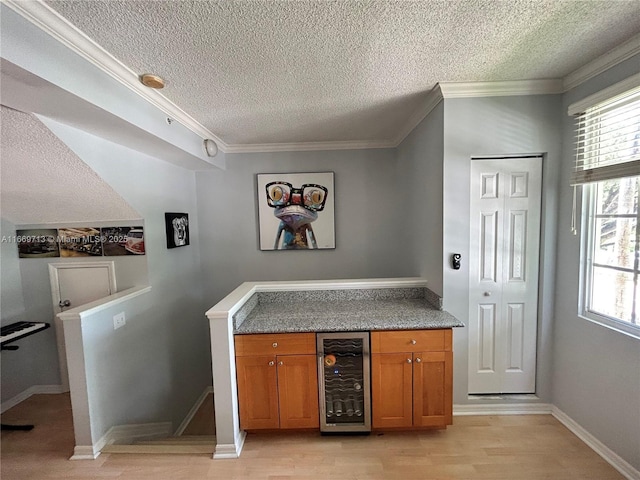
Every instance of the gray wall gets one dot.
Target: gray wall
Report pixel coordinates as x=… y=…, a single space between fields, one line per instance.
x=163 y=349
x=36 y=361
x=25 y=294
x=420 y=166
x=371 y=228
x=498 y=126
x=596 y=371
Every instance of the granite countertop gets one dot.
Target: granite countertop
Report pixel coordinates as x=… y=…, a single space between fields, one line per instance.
x=351 y=313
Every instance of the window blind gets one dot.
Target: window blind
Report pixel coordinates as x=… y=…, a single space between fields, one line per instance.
x=608 y=139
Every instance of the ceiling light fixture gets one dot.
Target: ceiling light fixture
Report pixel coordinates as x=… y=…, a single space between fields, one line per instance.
x=210 y=147
x=152 y=81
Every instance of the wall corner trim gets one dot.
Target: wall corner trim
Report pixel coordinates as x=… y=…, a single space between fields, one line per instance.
x=128 y=434
x=84 y=452
x=33 y=390
x=431 y=101
x=102 y=303
x=230 y=450
x=596 y=445
x=194 y=409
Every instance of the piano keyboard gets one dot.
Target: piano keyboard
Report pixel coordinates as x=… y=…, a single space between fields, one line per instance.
x=17 y=330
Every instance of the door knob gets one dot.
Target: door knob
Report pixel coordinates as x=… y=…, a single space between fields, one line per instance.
x=418 y=360
x=272 y=363
x=64 y=303
x=408 y=360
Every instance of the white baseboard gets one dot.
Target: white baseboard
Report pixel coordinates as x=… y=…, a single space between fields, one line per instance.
x=84 y=452
x=503 y=409
x=128 y=434
x=230 y=450
x=596 y=445
x=33 y=390
x=193 y=411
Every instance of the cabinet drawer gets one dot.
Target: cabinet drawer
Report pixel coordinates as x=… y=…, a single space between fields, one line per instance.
x=275 y=344
x=391 y=341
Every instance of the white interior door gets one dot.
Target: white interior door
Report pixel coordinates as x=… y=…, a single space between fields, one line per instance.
x=503 y=274
x=73 y=285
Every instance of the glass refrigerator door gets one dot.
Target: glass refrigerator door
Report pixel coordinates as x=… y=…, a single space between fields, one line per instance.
x=344 y=372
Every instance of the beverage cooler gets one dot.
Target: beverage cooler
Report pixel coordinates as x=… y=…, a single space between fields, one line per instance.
x=343 y=376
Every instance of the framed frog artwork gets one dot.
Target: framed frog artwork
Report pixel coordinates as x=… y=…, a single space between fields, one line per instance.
x=296 y=211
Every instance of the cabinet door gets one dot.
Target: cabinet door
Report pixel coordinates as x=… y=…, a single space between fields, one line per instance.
x=257 y=392
x=433 y=389
x=391 y=389
x=298 y=391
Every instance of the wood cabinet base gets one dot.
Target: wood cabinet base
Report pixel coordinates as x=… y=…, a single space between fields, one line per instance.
x=412 y=388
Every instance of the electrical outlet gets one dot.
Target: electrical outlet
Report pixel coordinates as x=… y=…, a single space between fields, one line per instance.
x=119 y=320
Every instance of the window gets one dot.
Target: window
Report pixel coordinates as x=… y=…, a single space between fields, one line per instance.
x=611 y=274
x=608 y=168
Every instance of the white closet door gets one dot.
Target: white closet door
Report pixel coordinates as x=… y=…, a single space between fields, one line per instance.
x=503 y=283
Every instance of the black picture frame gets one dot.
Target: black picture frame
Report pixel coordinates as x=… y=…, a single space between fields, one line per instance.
x=177 y=228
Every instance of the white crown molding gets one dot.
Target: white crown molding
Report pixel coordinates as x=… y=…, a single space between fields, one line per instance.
x=500 y=89
x=610 y=59
x=52 y=23
x=308 y=146
x=48 y=20
x=433 y=98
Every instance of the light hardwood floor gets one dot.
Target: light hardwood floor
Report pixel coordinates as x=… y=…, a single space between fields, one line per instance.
x=528 y=447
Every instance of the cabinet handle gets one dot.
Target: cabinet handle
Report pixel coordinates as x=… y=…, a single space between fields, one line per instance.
x=418 y=360
x=274 y=344
x=408 y=360
x=413 y=342
x=272 y=363
x=280 y=363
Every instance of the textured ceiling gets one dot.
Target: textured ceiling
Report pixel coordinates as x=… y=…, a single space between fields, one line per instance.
x=42 y=181
x=260 y=72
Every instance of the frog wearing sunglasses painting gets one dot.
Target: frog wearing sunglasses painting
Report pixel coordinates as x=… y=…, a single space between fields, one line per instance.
x=296 y=208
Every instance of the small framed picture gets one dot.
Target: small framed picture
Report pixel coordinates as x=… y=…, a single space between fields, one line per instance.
x=80 y=242
x=117 y=241
x=37 y=243
x=177 y=226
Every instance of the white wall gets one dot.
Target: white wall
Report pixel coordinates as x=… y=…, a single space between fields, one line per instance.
x=596 y=371
x=162 y=353
x=498 y=126
x=371 y=225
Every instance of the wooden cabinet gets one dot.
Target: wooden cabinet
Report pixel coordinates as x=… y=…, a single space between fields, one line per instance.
x=412 y=378
x=277 y=381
